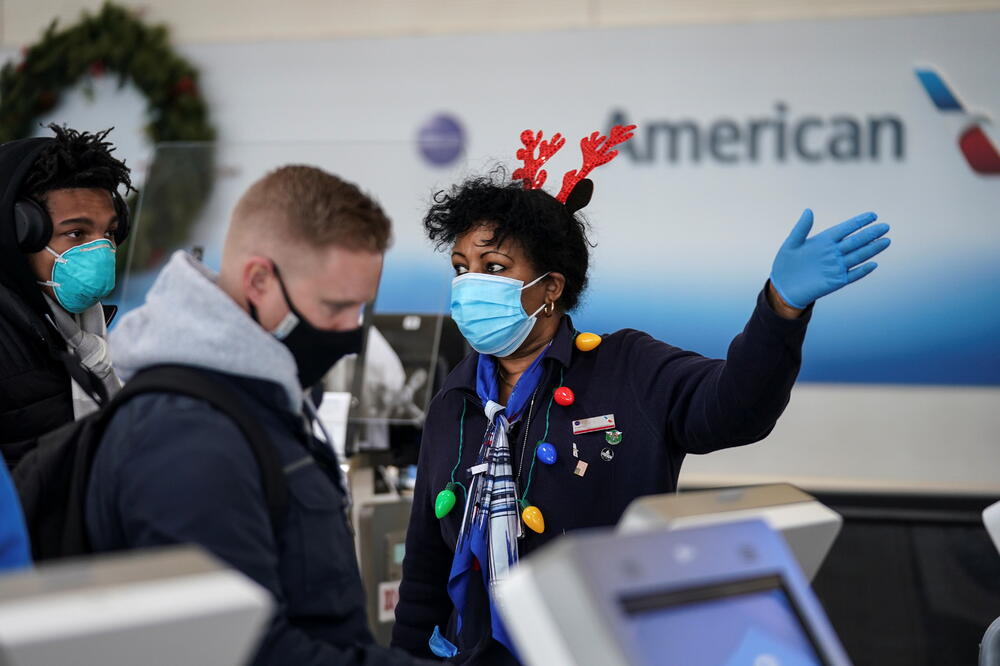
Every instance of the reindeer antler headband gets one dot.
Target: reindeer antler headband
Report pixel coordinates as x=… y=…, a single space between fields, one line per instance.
x=576 y=188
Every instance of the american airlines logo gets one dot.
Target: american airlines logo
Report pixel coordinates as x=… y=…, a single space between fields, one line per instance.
x=778 y=135
x=977 y=147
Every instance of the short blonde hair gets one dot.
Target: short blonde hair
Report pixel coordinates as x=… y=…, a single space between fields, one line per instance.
x=310 y=206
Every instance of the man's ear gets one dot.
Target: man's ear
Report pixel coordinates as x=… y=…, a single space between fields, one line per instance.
x=255 y=278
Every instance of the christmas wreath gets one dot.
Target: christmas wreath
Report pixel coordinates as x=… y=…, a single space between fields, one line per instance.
x=115 y=42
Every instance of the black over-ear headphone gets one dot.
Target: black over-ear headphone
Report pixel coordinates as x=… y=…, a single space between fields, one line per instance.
x=33 y=224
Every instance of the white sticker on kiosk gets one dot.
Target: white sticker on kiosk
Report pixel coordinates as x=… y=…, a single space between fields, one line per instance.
x=606 y=422
x=388 y=597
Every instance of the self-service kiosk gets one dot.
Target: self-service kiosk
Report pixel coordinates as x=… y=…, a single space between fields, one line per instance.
x=730 y=594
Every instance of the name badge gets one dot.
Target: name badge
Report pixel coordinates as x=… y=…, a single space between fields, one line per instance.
x=606 y=422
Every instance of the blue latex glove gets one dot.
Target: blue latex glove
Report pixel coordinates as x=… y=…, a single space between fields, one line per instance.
x=806 y=269
x=441 y=646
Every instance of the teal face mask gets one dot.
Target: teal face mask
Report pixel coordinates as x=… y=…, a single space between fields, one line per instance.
x=83 y=275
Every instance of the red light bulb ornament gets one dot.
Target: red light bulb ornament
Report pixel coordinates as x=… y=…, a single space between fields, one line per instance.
x=564 y=396
x=532 y=517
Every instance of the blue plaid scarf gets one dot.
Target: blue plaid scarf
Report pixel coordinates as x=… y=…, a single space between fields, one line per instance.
x=491 y=522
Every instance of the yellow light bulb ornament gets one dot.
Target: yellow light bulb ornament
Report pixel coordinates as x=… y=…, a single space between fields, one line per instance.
x=587 y=341
x=532 y=517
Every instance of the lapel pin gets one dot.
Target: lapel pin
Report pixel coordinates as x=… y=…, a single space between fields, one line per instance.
x=594 y=424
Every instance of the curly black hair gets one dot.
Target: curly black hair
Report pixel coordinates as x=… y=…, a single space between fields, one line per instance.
x=76 y=159
x=553 y=238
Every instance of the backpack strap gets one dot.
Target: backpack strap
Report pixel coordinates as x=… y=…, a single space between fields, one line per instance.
x=191 y=382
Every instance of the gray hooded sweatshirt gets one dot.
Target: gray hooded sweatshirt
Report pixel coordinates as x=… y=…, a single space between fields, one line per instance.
x=188 y=320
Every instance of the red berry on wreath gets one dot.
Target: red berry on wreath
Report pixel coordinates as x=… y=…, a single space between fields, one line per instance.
x=46 y=100
x=184 y=86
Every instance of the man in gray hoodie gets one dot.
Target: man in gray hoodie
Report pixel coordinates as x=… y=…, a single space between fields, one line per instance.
x=303 y=255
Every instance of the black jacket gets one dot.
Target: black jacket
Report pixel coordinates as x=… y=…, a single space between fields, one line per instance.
x=667 y=403
x=171 y=469
x=35 y=393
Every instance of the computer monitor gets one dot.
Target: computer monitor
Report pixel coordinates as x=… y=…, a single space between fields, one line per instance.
x=405 y=360
x=155 y=608
x=808 y=526
x=721 y=595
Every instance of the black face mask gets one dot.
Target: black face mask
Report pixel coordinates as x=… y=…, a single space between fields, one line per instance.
x=315 y=350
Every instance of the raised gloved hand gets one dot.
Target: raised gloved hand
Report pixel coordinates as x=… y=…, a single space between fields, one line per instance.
x=806 y=269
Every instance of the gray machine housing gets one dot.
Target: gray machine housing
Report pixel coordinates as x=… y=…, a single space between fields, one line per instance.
x=156 y=608
x=563 y=604
x=808 y=526
x=382 y=532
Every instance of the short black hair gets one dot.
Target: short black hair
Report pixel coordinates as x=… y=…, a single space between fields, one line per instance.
x=76 y=159
x=553 y=238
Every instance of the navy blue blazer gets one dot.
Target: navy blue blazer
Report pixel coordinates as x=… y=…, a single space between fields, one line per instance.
x=667 y=402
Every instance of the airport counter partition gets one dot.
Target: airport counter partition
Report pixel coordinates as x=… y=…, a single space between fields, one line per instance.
x=912 y=580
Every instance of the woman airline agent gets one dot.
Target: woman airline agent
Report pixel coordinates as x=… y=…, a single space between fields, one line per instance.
x=545 y=429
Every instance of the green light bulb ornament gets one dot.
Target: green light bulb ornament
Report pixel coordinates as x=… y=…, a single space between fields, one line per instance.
x=445 y=501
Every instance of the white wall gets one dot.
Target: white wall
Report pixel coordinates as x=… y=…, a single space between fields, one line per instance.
x=193 y=21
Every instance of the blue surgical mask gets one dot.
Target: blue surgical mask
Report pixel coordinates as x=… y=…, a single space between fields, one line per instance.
x=83 y=275
x=488 y=311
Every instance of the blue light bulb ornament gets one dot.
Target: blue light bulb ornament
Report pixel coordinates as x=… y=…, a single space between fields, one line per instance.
x=546 y=453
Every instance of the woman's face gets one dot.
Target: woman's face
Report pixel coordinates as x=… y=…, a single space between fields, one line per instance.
x=475 y=253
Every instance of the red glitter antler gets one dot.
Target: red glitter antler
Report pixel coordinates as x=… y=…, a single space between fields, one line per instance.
x=532 y=173
x=596 y=150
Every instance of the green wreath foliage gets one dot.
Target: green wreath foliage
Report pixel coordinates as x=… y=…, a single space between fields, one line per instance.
x=114 y=41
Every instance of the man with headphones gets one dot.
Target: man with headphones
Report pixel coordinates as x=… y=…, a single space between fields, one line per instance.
x=61 y=220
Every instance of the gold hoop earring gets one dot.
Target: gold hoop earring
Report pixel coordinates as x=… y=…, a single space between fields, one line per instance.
x=549 y=309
